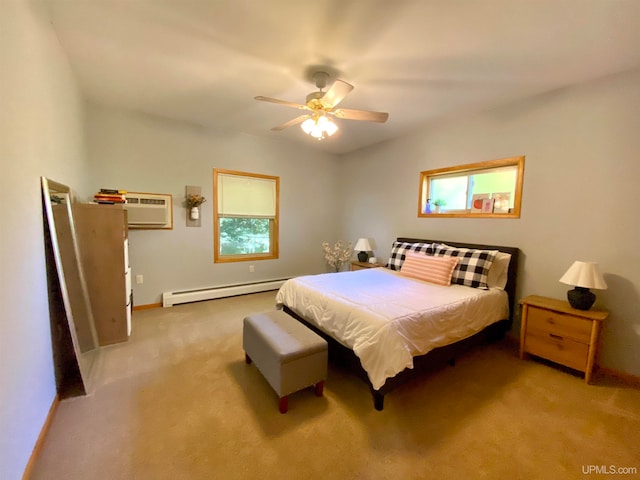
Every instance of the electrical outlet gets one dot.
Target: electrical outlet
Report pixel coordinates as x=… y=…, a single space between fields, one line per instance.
x=251 y=268
x=139 y=279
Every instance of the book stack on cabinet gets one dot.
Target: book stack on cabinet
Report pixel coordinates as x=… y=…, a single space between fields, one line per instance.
x=110 y=196
x=102 y=235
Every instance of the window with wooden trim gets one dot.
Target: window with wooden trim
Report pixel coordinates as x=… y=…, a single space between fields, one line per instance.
x=245 y=216
x=491 y=189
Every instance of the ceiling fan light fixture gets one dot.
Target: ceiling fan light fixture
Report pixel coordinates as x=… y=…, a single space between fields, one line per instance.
x=308 y=125
x=319 y=127
x=318 y=105
x=331 y=128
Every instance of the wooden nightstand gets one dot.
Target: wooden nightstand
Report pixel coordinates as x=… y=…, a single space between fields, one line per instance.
x=360 y=265
x=552 y=329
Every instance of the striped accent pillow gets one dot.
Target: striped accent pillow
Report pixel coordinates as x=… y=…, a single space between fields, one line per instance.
x=431 y=269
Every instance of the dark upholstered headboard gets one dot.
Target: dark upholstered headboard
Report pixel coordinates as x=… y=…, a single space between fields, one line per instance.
x=512 y=273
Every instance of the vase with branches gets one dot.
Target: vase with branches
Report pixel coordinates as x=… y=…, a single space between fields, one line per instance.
x=338 y=254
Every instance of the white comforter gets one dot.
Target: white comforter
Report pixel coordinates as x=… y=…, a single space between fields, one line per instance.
x=386 y=318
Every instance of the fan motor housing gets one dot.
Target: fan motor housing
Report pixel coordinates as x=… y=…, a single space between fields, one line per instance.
x=314 y=97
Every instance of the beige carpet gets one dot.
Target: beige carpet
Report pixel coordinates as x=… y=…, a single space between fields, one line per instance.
x=178 y=402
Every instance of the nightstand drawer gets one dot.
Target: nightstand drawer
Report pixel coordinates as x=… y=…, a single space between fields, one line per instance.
x=559 y=324
x=557 y=348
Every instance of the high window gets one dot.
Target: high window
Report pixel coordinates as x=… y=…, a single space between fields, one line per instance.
x=486 y=189
x=245 y=216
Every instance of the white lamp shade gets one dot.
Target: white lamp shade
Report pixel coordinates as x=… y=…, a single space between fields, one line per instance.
x=362 y=245
x=584 y=274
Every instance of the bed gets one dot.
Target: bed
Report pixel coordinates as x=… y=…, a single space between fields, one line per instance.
x=392 y=323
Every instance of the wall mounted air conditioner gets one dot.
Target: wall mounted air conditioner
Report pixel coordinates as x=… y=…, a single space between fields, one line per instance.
x=149 y=210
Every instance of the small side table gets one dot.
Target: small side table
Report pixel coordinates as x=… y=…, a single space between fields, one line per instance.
x=552 y=329
x=360 y=265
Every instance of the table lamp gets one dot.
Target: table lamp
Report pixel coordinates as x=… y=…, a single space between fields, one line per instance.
x=583 y=276
x=363 y=247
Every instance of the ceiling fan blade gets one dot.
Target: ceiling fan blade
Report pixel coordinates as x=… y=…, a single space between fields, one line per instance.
x=365 y=115
x=291 y=123
x=281 y=102
x=336 y=93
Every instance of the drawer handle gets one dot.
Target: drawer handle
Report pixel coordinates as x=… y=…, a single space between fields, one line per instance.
x=550 y=321
x=557 y=337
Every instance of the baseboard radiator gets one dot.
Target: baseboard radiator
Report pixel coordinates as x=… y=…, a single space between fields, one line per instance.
x=169 y=299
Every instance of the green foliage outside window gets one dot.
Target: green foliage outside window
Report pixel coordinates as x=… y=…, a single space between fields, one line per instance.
x=240 y=235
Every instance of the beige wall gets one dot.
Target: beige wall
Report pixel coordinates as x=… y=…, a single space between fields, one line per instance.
x=40 y=135
x=142 y=153
x=580 y=198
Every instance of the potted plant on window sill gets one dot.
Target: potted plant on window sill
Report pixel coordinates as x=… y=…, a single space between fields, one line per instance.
x=439 y=203
x=193 y=202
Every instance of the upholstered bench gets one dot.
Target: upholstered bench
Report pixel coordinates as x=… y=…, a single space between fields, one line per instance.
x=289 y=355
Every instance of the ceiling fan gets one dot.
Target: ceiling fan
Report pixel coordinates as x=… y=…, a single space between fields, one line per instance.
x=321 y=106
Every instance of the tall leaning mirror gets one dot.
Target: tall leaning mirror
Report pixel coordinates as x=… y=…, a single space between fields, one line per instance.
x=75 y=341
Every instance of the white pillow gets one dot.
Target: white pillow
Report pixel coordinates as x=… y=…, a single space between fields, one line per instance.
x=499 y=271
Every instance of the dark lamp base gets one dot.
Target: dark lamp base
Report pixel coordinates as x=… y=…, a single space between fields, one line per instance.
x=363 y=256
x=581 y=298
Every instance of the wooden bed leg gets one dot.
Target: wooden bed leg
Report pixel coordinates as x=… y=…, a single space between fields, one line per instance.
x=247 y=358
x=283 y=404
x=378 y=401
x=319 y=388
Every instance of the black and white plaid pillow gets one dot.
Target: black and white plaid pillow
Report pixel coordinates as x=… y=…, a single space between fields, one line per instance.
x=398 y=250
x=473 y=265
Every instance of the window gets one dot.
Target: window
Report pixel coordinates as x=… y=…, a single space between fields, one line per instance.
x=490 y=189
x=245 y=216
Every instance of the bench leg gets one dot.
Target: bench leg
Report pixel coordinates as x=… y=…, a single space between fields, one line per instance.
x=319 y=388
x=283 y=404
x=378 y=401
x=247 y=358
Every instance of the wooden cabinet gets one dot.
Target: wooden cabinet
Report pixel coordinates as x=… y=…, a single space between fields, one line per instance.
x=551 y=329
x=361 y=265
x=103 y=242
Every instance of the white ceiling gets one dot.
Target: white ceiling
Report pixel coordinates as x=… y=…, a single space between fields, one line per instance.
x=203 y=61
